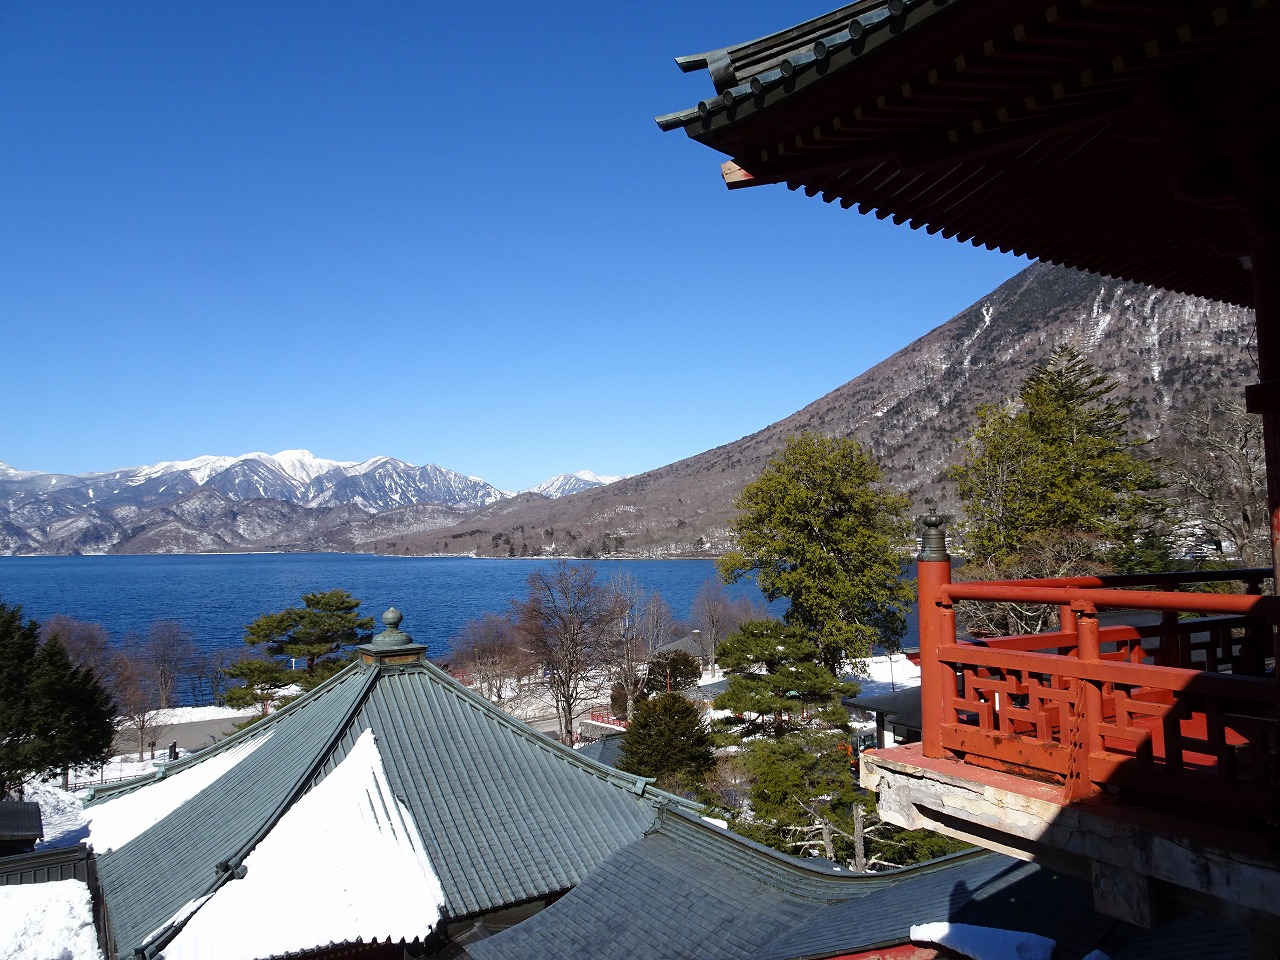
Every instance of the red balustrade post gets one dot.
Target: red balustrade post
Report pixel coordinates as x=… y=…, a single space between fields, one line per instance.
x=1067 y=627
x=1089 y=704
x=933 y=571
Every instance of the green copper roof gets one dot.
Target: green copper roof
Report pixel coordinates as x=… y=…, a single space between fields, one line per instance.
x=506 y=814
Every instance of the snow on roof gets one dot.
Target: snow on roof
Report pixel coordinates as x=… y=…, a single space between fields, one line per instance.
x=353 y=847
x=48 y=921
x=117 y=820
x=984 y=943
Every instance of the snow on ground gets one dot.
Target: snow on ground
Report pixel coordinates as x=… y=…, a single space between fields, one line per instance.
x=47 y=921
x=166 y=718
x=371 y=879
x=985 y=943
x=60 y=814
x=884 y=674
x=115 y=822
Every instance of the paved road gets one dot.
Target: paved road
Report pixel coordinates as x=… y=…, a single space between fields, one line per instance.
x=190 y=736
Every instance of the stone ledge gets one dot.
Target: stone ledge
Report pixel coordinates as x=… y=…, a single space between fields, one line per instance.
x=1121 y=848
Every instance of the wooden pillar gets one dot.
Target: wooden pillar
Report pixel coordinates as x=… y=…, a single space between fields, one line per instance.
x=933 y=571
x=1085 y=724
x=1264 y=397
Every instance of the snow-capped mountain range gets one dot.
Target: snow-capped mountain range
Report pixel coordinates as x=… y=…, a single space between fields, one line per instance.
x=568 y=483
x=38 y=510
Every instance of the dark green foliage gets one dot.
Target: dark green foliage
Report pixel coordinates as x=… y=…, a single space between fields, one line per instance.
x=666 y=738
x=1052 y=486
x=778 y=676
x=18 y=644
x=675 y=670
x=262 y=680
x=798 y=771
x=73 y=716
x=618 y=699
x=818 y=528
x=1059 y=464
x=53 y=715
x=805 y=800
x=314 y=633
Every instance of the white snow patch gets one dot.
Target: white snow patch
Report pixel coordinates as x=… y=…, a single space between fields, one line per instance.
x=48 y=921
x=985 y=943
x=370 y=877
x=115 y=822
x=61 y=816
x=716 y=821
x=885 y=674
x=197 y=714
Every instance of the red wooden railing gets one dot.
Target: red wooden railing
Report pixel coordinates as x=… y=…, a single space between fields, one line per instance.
x=1181 y=714
x=607 y=719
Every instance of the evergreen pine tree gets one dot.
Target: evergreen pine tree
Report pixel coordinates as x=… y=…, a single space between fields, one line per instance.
x=73 y=716
x=1052 y=486
x=1058 y=463
x=18 y=643
x=666 y=738
x=325 y=625
x=819 y=528
x=673 y=670
x=262 y=682
x=778 y=676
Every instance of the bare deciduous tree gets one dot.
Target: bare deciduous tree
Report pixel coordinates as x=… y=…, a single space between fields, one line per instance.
x=568 y=622
x=657 y=626
x=710 y=612
x=628 y=654
x=207 y=676
x=1216 y=468
x=492 y=653
x=134 y=690
x=167 y=652
x=87 y=644
x=1058 y=553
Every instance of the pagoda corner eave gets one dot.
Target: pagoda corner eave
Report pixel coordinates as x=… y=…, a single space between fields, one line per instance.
x=1132 y=141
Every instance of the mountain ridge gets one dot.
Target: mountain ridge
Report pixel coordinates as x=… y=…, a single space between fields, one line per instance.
x=914 y=409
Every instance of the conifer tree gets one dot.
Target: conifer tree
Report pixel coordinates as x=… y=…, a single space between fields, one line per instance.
x=1058 y=462
x=18 y=643
x=819 y=528
x=671 y=671
x=1053 y=485
x=262 y=682
x=73 y=716
x=53 y=715
x=314 y=633
x=778 y=676
x=666 y=738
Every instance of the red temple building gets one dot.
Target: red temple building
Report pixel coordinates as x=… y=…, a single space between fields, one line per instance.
x=1139 y=140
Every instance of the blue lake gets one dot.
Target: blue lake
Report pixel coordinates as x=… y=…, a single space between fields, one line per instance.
x=213 y=596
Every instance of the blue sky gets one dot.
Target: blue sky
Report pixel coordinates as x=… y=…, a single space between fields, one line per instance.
x=448 y=233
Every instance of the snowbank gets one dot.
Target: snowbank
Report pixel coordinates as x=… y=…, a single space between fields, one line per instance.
x=48 y=921
x=61 y=815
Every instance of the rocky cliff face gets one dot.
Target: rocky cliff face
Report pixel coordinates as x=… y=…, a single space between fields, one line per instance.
x=914 y=409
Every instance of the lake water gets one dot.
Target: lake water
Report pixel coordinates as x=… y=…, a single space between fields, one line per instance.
x=213 y=596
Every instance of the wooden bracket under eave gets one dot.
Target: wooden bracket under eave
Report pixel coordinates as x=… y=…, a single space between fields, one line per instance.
x=735 y=176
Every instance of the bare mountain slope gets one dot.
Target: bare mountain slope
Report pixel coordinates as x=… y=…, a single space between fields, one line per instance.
x=914 y=409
